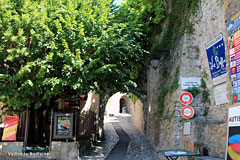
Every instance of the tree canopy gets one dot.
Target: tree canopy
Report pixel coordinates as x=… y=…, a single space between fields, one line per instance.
x=65 y=48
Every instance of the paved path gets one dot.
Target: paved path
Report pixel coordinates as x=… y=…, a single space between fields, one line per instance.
x=101 y=150
x=138 y=147
x=120 y=149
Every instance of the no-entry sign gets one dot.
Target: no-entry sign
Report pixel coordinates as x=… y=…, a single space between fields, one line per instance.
x=186 y=98
x=187 y=112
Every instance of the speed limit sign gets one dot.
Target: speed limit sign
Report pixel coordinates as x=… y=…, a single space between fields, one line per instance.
x=186 y=98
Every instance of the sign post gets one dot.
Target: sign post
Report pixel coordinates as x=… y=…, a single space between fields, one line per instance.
x=190 y=82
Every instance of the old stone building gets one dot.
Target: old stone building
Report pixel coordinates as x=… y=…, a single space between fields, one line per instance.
x=209 y=126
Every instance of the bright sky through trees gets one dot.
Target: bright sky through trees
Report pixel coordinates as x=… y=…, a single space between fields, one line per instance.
x=117 y=2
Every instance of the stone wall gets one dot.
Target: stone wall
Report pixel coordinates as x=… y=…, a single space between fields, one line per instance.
x=65 y=150
x=209 y=125
x=89 y=116
x=209 y=129
x=137 y=115
x=5 y=151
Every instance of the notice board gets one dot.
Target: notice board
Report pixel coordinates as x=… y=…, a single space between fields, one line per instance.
x=233 y=29
x=215 y=49
x=63 y=126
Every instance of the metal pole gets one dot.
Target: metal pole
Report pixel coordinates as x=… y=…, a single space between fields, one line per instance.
x=75 y=132
x=50 y=140
x=26 y=129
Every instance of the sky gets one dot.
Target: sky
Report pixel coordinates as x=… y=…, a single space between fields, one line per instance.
x=117 y=1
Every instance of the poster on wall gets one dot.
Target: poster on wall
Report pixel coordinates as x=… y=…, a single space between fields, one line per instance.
x=233 y=29
x=233 y=147
x=187 y=128
x=63 y=126
x=10 y=128
x=220 y=94
x=233 y=23
x=217 y=60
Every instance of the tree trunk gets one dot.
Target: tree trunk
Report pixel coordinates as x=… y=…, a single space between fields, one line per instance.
x=103 y=102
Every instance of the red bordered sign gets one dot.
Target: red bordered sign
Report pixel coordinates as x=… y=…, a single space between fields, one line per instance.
x=187 y=112
x=186 y=98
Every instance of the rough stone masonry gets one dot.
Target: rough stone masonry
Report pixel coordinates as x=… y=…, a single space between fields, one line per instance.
x=209 y=126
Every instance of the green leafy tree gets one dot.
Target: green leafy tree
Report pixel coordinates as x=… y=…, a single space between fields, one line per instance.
x=64 y=48
x=148 y=12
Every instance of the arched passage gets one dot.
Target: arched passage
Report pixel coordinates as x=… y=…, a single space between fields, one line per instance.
x=134 y=107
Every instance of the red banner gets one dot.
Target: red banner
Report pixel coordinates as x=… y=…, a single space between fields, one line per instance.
x=10 y=128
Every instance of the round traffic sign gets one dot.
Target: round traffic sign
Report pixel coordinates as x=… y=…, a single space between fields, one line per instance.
x=186 y=98
x=187 y=112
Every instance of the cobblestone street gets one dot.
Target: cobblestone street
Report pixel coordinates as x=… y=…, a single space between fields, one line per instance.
x=138 y=148
x=101 y=150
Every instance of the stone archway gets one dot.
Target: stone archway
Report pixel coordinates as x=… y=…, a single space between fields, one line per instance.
x=134 y=107
x=140 y=91
x=116 y=102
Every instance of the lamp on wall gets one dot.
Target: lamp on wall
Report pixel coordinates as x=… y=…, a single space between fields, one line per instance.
x=154 y=61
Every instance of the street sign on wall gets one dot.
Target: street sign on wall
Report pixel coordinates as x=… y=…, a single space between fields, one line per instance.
x=189 y=82
x=217 y=60
x=186 y=98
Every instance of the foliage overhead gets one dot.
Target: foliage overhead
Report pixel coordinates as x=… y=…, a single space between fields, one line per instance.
x=177 y=23
x=168 y=20
x=65 y=48
x=149 y=12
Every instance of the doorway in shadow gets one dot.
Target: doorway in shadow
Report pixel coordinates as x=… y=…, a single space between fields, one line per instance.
x=123 y=105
